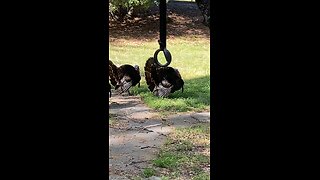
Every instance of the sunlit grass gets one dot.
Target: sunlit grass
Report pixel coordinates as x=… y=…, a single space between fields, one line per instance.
x=190 y=55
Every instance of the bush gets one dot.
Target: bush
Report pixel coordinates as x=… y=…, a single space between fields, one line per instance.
x=119 y=9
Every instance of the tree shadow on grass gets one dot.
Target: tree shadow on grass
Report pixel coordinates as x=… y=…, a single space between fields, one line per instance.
x=185 y=19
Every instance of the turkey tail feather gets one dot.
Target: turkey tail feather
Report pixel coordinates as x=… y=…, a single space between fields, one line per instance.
x=113 y=74
x=149 y=68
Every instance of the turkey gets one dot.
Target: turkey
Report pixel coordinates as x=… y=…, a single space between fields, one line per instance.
x=162 y=81
x=204 y=6
x=124 y=77
x=109 y=89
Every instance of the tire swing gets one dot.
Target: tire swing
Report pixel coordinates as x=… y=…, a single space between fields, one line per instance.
x=161 y=79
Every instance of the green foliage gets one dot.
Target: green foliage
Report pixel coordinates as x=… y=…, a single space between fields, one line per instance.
x=118 y=9
x=167 y=160
x=130 y=3
x=148 y=172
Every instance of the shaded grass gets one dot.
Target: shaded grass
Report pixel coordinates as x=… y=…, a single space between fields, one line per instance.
x=190 y=55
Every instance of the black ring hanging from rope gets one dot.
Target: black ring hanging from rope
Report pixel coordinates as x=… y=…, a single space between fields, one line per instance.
x=163 y=31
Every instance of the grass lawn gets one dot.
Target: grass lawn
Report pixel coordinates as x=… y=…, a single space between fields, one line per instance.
x=190 y=55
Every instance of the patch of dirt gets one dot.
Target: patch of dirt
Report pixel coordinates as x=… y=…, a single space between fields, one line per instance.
x=134 y=144
x=184 y=19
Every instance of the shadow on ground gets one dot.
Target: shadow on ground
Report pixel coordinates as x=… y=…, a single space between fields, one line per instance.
x=128 y=103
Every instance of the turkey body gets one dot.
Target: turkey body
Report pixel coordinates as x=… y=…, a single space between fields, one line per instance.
x=162 y=81
x=109 y=89
x=124 y=77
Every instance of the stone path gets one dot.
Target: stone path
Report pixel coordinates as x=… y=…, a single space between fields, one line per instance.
x=137 y=132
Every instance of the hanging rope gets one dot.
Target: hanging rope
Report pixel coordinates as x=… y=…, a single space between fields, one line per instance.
x=163 y=32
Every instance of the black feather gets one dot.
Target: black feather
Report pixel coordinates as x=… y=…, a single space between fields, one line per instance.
x=109 y=89
x=162 y=81
x=124 y=77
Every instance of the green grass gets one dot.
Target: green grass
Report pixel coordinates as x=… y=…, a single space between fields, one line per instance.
x=190 y=55
x=167 y=160
x=112 y=119
x=186 y=154
x=148 y=172
x=202 y=176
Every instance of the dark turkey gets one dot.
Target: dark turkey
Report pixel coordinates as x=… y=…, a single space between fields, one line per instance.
x=124 y=77
x=162 y=81
x=204 y=6
x=109 y=89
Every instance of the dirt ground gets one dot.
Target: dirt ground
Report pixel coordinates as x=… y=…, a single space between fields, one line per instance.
x=184 y=19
